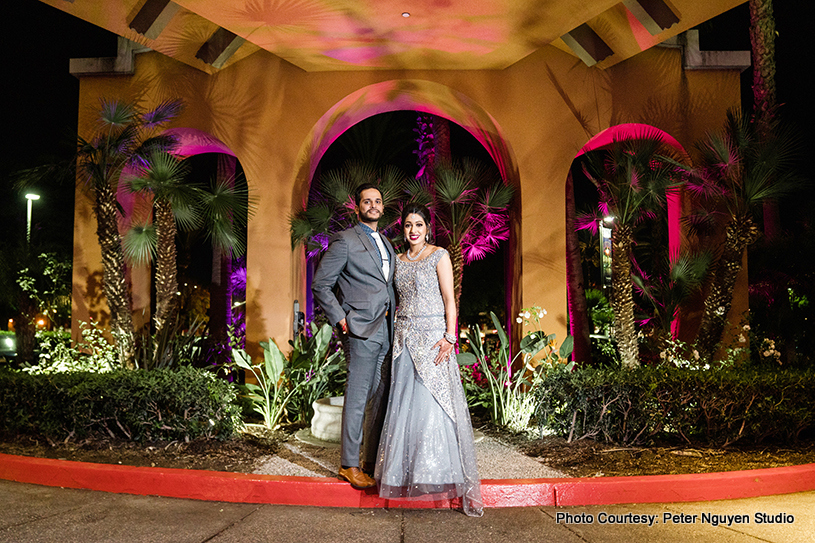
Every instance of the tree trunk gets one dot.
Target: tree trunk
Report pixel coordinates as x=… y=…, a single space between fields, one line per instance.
x=166 y=270
x=762 y=42
x=457 y=259
x=739 y=235
x=575 y=287
x=114 y=280
x=220 y=301
x=441 y=139
x=622 y=296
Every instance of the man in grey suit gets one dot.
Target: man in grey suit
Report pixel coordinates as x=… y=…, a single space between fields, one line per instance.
x=354 y=286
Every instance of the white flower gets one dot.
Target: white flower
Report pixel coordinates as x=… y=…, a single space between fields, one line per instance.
x=662 y=355
x=742 y=339
x=527 y=314
x=541 y=314
x=695 y=354
x=544 y=311
x=746 y=327
x=519 y=320
x=766 y=354
x=521 y=314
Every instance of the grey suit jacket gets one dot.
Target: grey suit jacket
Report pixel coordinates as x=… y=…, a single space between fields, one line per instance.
x=349 y=283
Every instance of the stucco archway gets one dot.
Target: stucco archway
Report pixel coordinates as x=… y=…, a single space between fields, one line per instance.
x=190 y=142
x=578 y=316
x=412 y=95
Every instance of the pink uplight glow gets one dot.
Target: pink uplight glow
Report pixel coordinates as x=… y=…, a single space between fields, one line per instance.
x=358 y=55
x=644 y=38
x=192 y=141
x=415 y=95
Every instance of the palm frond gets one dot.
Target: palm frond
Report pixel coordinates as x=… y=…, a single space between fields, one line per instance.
x=226 y=208
x=418 y=192
x=300 y=229
x=162 y=113
x=392 y=182
x=116 y=113
x=453 y=186
x=226 y=238
x=498 y=196
x=139 y=243
x=337 y=187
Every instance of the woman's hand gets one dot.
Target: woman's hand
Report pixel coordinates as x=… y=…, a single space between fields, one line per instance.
x=445 y=348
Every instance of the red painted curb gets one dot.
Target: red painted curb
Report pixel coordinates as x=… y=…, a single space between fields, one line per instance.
x=329 y=492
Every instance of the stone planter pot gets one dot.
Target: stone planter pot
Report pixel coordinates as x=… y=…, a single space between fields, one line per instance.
x=326 y=424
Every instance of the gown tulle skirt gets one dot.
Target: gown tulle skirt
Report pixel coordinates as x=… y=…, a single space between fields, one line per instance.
x=419 y=452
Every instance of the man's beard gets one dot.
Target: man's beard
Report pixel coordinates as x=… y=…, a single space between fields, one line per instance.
x=366 y=218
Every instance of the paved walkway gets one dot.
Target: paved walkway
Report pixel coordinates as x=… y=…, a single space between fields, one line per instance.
x=32 y=513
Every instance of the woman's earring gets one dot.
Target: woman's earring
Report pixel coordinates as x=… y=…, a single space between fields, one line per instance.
x=427 y=237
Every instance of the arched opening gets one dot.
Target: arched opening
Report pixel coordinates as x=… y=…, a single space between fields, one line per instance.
x=209 y=276
x=409 y=98
x=211 y=281
x=589 y=250
x=391 y=140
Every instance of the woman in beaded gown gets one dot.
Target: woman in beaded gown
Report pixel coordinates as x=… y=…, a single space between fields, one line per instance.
x=426 y=450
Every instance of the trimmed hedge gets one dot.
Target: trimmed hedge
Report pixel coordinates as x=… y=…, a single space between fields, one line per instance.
x=178 y=404
x=715 y=407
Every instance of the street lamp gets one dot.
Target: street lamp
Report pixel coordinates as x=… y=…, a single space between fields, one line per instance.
x=30 y=197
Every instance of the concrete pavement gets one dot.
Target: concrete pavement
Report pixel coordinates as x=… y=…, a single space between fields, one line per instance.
x=32 y=513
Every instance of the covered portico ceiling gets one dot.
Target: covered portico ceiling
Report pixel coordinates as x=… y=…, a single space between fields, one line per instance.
x=322 y=35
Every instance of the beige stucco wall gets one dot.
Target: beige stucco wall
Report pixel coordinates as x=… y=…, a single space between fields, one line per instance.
x=265 y=110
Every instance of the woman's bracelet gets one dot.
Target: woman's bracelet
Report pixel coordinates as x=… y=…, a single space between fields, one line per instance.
x=451 y=338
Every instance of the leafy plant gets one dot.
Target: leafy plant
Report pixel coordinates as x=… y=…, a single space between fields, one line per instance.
x=93 y=353
x=330 y=207
x=716 y=406
x=470 y=203
x=172 y=346
x=312 y=371
x=512 y=389
x=271 y=394
x=176 y=404
x=297 y=380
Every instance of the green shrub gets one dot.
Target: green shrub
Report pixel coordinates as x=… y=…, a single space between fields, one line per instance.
x=716 y=407
x=178 y=404
x=92 y=353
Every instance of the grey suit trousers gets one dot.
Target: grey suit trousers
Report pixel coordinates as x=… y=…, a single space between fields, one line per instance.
x=366 y=395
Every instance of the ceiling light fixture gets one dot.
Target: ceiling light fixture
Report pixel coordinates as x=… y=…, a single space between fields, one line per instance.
x=405 y=14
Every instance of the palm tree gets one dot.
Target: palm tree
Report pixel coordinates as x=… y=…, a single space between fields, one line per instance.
x=762 y=45
x=124 y=136
x=632 y=180
x=579 y=320
x=221 y=210
x=737 y=172
x=665 y=288
x=330 y=208
x=162 y=177
x=471 y=203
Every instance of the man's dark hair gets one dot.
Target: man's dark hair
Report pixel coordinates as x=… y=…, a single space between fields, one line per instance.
x=364 y=186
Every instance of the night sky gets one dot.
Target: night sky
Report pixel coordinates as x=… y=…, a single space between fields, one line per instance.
x=39 y=111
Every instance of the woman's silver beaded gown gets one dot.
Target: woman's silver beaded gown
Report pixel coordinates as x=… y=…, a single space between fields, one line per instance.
x=426 y=450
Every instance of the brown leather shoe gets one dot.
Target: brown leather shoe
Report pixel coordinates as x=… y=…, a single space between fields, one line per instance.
x=356 y=477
